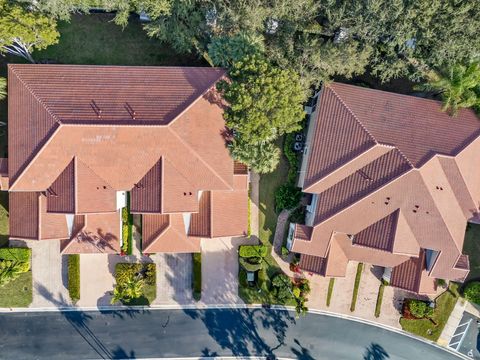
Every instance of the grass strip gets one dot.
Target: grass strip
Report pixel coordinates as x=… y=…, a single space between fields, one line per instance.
x=330 y=290
x=197 y=276
x=358 y=276
x=74 y=277
x=378 y=305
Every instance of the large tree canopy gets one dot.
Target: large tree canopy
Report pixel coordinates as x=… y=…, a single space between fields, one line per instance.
x=265 y=102
x=22 y=30
x=459 y=86
x=322 y=39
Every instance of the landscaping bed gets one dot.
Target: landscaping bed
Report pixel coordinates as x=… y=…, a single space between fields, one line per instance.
x=432 y=328
x=74 y=277
x=136 y=284
x=197 y=276
x=15 y=277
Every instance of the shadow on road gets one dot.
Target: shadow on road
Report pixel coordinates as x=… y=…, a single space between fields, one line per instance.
x=375 y=352
x=242 y=336
x=79 y=321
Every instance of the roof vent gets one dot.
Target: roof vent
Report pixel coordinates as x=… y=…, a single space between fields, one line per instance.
x=130 y=110
x=137 y=186
x=96 y=108
x=364 y=175
x=51 y=192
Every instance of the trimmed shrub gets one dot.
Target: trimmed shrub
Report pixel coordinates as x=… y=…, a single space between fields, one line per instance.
x=242 y=278
x=472 y=292
x=244 y=262
x=16 y=254
x=263 y=280
x=378 y=305
x=249 y=251
x=419 y=308
x=358 y=277
x=150 y=273
x=296 y=292
x=197 y=276
x=330 y=290
x=287 y=197
x=74 y=277
x=285 y=251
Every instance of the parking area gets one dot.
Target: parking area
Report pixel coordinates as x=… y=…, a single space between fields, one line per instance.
x=466 y=337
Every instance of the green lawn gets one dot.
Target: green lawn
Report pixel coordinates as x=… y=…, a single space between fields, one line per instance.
x=471 y=247
x=426 y=328
x=3 y=218
x=17 y=293
x=95 y=39
x=267 y=222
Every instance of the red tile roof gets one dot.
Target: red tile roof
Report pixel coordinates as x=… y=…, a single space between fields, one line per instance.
x=380 y=235
x=373 y=154
x=360 y=183
x=98 y=130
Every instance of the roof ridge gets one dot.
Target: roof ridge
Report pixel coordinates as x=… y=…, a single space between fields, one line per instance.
x=159 y=235
x=35 y=96
x=199 y=157
x=93 y=171
x=353 y=114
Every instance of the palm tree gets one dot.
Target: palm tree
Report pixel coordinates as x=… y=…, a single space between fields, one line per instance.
x=131 y=288
x=459 y=86
x=3 y=88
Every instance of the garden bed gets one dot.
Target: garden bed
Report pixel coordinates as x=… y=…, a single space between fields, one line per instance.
x=444 y=306
x=136 y=284
x=197 y=276
x=17 y=292
x=74 y=277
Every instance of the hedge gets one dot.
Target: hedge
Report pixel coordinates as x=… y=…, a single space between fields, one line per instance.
x=248 y=251
x=378 y=305
x=248 y=266
x=292 y=157
x=74 y=277
x=16 y=254
x=330 y=290
x=358 y=276
x=127 y=221
x=197 y=276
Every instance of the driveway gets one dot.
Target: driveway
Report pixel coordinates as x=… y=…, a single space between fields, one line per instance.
x=49 y=273
x=220 y=270
x=202 y=334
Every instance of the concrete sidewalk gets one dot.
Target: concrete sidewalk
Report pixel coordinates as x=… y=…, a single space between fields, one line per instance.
x=452 y=323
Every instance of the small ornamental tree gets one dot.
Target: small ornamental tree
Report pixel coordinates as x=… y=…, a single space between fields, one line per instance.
x=22 y=31
x=472 y=292
x=265 y=102
x=262 y=158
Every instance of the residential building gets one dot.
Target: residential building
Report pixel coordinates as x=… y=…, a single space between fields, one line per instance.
x=86 y=141
x=394 y=181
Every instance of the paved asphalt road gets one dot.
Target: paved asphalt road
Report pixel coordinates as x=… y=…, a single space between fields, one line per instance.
x=196 y=333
